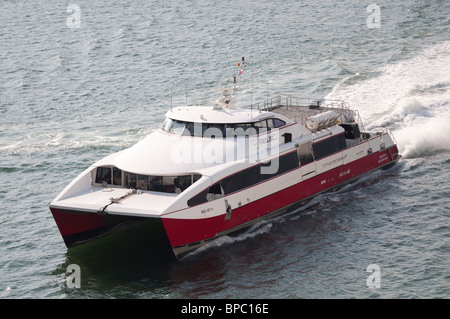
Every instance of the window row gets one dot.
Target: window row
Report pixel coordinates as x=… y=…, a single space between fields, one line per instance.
x=329 y=146
x=220 y=130
x=113 y=176
x=308 y=152
x=246 y=178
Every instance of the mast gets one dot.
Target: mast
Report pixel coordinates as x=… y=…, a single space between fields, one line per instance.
x=228 y=94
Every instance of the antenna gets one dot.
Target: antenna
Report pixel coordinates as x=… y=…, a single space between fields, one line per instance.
x=229 y=93
x=240 y=65
x=251 y=102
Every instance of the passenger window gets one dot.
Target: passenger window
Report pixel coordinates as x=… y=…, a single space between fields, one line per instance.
x=182 y=182
x=328 y=146
x=156 y=183
x=117 y=176
x=130 y=180
x=196 y=177
x=214 y=192
x=198 y=199
x=142 y=182
x=103 y=175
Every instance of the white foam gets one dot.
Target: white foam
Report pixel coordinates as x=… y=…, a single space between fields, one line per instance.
x=257 y=229
x=424 y=138
x=411 y=97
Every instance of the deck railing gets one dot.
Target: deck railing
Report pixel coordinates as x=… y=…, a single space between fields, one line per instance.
x=289 y=101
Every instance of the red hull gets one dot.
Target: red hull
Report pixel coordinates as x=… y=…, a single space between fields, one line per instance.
x=79 y=227
x=187 y=231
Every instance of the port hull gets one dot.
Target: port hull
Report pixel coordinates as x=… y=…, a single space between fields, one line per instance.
x=77 y=227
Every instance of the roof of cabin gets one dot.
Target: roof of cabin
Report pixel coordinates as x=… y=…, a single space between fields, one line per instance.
x=202 y=114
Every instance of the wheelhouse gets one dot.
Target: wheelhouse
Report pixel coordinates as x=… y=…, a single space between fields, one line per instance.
x=199 y=129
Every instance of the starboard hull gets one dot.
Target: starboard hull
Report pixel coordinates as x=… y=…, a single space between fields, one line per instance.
x=187 y=235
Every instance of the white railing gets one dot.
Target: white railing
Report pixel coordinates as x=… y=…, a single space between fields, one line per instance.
x=289 y=101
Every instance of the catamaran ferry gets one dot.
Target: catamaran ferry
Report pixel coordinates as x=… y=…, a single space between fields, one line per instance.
x=211 y=171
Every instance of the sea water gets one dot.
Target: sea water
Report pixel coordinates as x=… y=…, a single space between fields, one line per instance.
x=82 y=80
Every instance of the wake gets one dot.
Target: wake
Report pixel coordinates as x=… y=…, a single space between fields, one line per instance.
x=410 y=97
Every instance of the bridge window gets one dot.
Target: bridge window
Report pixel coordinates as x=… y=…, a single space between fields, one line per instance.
x=214 y=130
x=275 y=123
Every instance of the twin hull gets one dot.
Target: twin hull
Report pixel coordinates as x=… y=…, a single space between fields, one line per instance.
x=189 y=228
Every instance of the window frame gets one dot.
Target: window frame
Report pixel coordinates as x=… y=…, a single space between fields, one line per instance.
x=103 y=175
x=163 y=184
x=329 y=146
x=174 y=126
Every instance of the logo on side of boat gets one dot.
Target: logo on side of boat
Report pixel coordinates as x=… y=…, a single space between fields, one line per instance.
x=344 y=173
x=383 y=157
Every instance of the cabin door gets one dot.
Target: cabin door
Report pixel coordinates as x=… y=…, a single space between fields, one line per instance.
x=228 y=210
x=217 y=192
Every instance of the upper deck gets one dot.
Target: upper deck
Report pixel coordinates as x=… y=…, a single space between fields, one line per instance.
x=297 y=110
x=300 y=109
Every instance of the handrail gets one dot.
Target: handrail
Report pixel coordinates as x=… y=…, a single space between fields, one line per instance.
x=276 y=102
x=289 y=101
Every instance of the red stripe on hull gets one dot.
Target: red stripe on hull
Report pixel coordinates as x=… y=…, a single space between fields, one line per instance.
x=186 y=231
